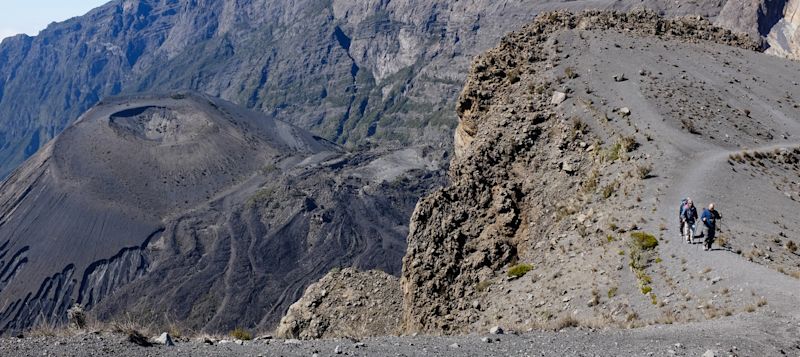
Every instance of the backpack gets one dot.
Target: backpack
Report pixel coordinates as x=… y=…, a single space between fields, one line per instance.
x=683 y=206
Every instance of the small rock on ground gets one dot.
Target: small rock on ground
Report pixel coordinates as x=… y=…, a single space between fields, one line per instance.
x=497 y=330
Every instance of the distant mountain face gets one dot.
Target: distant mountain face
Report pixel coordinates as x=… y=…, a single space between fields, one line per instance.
x=350 y=71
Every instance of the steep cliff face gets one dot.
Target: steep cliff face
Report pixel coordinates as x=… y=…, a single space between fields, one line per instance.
x=191 y=209
x=350 y=71
x=753 y=17
x=777 y=21
x=577 y=131
x=784 y=37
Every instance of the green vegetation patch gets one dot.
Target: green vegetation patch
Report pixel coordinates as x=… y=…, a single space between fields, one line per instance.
x=519 y=270
x=644 y=241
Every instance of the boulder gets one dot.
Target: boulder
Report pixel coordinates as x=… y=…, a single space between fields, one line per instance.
x=558 y=98
x=165 y=339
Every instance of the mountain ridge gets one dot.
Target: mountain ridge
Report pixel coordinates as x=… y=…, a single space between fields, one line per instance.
x=351 y=72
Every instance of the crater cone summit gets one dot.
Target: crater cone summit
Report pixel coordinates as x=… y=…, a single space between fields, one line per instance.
x=203 y=211
x=153 y=155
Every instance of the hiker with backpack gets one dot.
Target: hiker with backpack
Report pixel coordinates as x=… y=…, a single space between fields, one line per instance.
x=681 y=221
x=709 y=218
x=689 y=218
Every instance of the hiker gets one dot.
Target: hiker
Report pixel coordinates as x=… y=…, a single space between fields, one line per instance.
x=681 y=221
x=689 y=217
x=709 y=218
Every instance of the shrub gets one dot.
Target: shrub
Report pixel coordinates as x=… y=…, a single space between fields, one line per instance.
x=564 y=211
x=722 y=241
x=761 y=302
x=646 y=289
x=612 y=292
x=627 y=143
x=621 y=147
x=570 y=73
x=643 y=171
x=519 y=270
x=689 y=126
x=791 y=246
x=667 y=318
x=76 y=317
x=241 y=334
x=578 y=127
x=590 y=185
x=483 y=285
x=565 y=322
x=644 y=241
x=609 y=189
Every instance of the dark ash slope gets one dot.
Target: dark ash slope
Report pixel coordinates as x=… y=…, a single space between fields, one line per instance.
x=190 y=209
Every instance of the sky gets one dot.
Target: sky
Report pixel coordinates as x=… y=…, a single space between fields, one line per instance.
x=31 y=16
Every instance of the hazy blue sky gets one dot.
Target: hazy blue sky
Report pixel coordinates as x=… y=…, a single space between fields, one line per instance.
x=31 y=16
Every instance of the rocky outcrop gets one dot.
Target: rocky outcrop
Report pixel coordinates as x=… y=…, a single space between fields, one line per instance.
x=346 y=303
x=522 y=166
x=190 y=209
x=776 y=21
x=784 y=37
x=753 y=17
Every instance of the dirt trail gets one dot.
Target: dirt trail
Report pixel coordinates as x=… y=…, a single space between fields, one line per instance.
x=696 y=166
x=699 y=180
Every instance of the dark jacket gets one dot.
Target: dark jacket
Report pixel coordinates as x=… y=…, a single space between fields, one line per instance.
x=690 y=214
x=710 y=218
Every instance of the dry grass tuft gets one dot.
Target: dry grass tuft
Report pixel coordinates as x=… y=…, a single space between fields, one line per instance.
x=564 y=322
x=643 y=171
x=483 y=285
x=570 y=73
x=241 y=334
x=791 y=246
x=689 y=126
